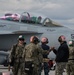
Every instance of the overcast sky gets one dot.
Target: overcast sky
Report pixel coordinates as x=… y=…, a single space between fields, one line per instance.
x=61 y=11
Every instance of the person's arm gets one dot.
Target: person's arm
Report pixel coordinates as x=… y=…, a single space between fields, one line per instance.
x=53 y=49
x=12 y=55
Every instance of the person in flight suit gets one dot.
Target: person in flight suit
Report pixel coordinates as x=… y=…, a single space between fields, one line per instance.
x=70 y=64
x=33 y=55
x=15 y=57
x=62 y=55
x=45 y=47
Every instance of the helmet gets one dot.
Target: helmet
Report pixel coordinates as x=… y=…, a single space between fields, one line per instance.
x=71 y=42
x=34 y=39
x=44 y=40
x=61 y=38
x=21 y=37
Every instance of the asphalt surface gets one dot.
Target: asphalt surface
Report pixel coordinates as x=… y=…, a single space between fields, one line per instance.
x=5 y=69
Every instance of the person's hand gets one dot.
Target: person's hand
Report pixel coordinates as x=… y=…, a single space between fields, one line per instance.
x=52 y=48
x=9 y=67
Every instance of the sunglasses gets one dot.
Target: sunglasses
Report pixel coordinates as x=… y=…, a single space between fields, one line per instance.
x=21 y=39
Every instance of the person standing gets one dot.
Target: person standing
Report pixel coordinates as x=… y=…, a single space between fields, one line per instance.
x=70 y=64
x=32 y=56
x=15 y=57
x=62 y=55
x=45 y=47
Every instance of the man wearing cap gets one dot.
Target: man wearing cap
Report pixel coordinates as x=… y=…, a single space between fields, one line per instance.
x=15 y=57
x=70 y=64
x=62 y=55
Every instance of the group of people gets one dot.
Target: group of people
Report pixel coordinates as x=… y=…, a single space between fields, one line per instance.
x=32 y=58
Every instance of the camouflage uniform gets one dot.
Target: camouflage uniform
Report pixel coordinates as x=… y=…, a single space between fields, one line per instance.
x=70 y=64
x=16 y=53
x=33 y=53
x=60 y=68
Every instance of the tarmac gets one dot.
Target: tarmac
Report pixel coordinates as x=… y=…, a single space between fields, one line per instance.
x=5 y=69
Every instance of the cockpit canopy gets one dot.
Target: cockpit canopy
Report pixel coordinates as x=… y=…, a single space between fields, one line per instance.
x=49 y=22
x=25 y=17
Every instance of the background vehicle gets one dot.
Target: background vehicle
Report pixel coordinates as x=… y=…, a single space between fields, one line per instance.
x=4 y=58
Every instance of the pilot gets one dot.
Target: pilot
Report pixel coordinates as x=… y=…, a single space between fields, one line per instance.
x=33 y=56
x=62 y=55
x=45 y=47
x=70 y=64
x=15 y=56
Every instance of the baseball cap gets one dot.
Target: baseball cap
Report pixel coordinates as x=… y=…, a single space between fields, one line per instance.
x=21 y=37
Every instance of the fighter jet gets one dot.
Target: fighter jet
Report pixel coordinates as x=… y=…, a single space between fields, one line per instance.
x=10 y=30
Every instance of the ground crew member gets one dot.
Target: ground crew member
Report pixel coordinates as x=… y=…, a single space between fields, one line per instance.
x=15 y=57
x=70 y=64
x=33 y=55
x=44 y=46
x=62 y=55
